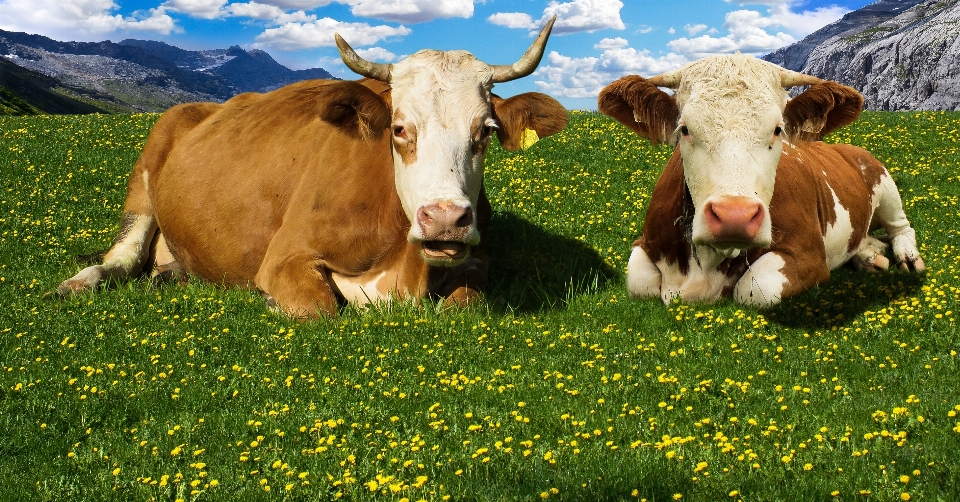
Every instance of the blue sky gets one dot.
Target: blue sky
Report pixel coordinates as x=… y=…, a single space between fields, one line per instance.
x=594 y=41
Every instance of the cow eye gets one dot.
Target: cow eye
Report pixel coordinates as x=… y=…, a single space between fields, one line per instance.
x=778 y=131
x=399 y=132
x=684 y=131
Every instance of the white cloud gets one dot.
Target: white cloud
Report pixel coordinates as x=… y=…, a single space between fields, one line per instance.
x=410 y=11
x=611 y=43
x=205 y=9
x=376 y=54
x=319 y=33
x=265 y=12
x=584 y=77
x=694 y=29
x=297 y=4
x=645 y=29
x=80 y=20
x=573 y=16
x=513 y=20
x=747 y=30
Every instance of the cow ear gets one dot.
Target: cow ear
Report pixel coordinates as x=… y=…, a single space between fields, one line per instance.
x=820 y=110
x=354 y=108
x=530 y=110
x=641 y=106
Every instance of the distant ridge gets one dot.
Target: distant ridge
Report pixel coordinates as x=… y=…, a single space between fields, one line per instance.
x=130 y=76
x=901 y=54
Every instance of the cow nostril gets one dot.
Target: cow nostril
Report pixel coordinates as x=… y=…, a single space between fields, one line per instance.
x=466 y=219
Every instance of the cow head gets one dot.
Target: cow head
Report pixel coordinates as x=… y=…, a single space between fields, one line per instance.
x=443 y=115
x=730 y=117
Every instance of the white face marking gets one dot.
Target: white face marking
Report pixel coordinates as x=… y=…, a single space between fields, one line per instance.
x=441 y=107
x=730 y=135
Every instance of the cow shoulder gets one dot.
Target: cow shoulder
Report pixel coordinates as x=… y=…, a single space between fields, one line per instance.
x=531 y=110
x=355 y=108
x=641 y=106
x=820 y=110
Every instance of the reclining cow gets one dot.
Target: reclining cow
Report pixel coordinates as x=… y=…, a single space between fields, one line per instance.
x=752 y=205
x=327 y=191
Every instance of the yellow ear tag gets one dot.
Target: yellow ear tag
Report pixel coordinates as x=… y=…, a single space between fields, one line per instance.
x=528 y=138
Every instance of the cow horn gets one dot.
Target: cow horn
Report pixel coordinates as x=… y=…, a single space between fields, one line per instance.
x=790 y=78
x=670 y=79
x=376 y=71
x=529 y=61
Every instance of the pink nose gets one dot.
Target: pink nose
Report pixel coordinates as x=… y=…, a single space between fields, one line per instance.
x=734 y=219
x=444 y=221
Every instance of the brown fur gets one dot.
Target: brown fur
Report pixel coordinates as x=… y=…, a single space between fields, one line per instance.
x=800 y=211
x=642 y=107
x=820 y=110
x=279 y=191
x=530 y=110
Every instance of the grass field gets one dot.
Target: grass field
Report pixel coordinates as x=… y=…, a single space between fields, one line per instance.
x=558 y=387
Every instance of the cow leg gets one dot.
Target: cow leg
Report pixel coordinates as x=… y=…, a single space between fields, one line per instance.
x=298 y=285
x=125 y=259
x=870 y=255
x=462 y=284
x=776 y=275
x=643 y=276
x=166 y=267
x=903 y=238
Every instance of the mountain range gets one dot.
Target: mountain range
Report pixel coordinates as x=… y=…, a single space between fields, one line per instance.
x=901 y=54
x=41 y=75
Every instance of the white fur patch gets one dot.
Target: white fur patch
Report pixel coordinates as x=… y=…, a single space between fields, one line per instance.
x=836 y=241
x=363 y=289
x=763 y=283
x=643 y=277
x=703 y=282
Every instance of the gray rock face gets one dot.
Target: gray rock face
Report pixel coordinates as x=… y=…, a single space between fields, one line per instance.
x=901 y=54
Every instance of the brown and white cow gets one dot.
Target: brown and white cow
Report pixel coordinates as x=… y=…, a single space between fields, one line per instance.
x=752 y=205
x=327 y=191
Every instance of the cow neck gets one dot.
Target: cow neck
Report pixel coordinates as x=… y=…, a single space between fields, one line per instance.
x=685 y=220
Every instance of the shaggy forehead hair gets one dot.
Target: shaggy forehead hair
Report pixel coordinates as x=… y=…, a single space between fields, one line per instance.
x=452 y=78
x=729 y=92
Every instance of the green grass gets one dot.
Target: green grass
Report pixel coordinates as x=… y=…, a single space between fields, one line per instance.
x=558 y=386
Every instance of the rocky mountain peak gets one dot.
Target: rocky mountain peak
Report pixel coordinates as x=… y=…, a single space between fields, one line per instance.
x=901 y=54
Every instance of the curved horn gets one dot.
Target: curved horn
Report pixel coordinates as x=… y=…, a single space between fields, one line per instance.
x=528 y=62
x=376 y=71
x=790 y=78
x=670 y=79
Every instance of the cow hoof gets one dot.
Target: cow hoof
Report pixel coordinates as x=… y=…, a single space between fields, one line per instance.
x=913 y=265
x=879 y=263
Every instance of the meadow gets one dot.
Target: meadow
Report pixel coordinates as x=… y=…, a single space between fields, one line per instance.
x=557 y=387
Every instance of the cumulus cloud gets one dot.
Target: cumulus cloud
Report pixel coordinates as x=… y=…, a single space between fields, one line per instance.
x=573 y=16
x=204 y=9
x=297 y=4
x=584 y=77
x=376 y=54
x=513 y=20
x=411 y=11
x=319 y=33
x=81 y=20
x=266 y=12
x=747 y=30
x=694 y=29
x=744 y=30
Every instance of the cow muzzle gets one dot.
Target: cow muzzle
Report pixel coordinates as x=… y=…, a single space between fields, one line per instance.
x=447 y=231
x=734 y=222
